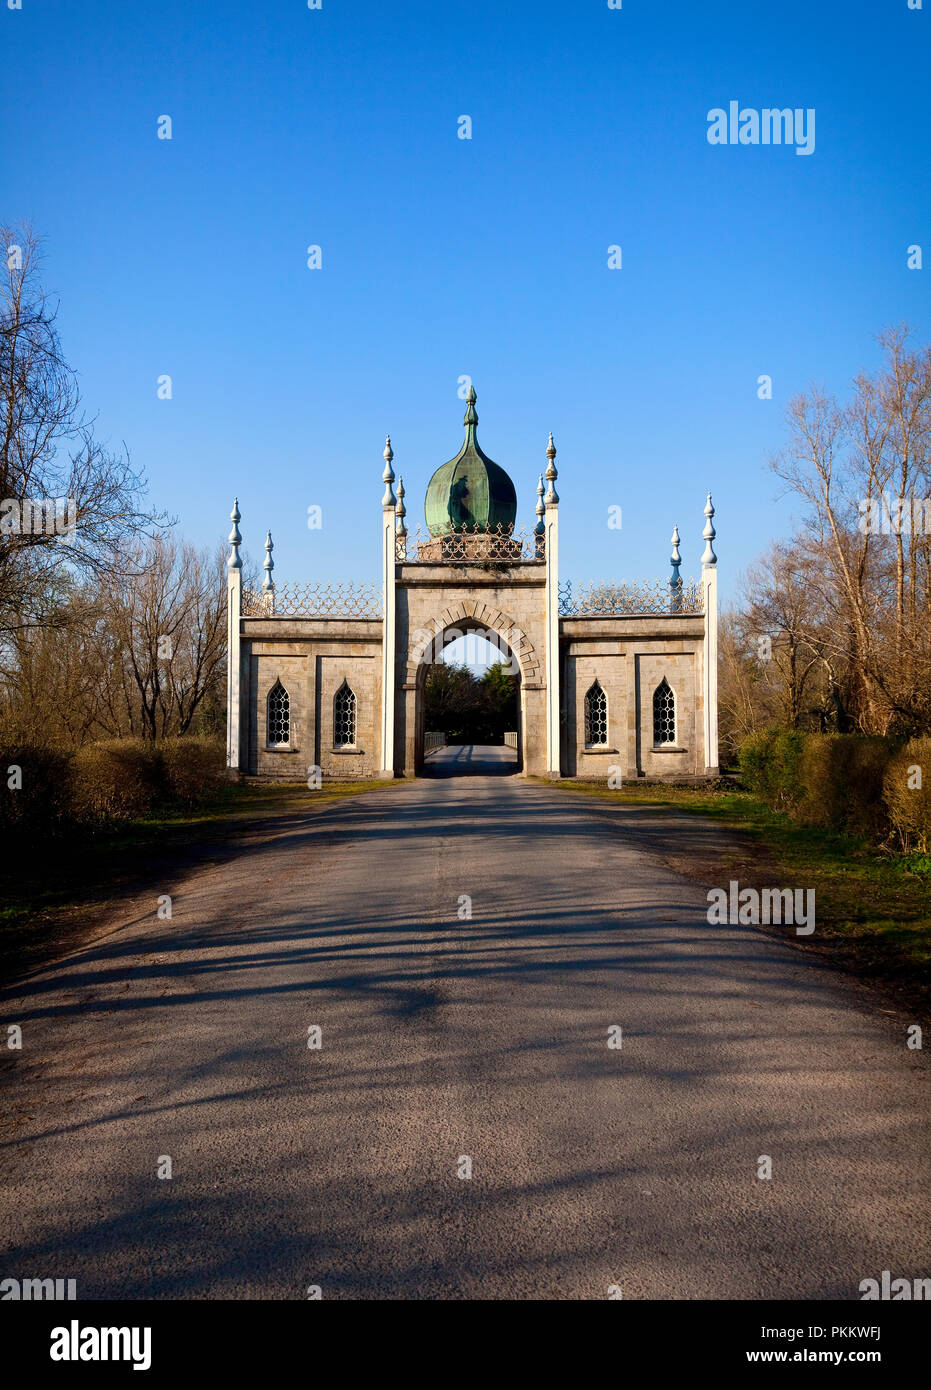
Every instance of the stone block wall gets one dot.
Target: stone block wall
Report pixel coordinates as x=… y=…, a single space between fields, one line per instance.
x=682 y=670
x=629 y=657
x=584 y=663
x=312 y=657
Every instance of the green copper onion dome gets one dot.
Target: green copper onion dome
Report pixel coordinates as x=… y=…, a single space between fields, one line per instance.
x=471 y=492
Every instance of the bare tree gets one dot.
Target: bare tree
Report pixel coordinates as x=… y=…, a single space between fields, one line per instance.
x=745 y=705
x=864 y=472
x=67 y=504
x=165 y=624
x=143 y=654
x=52 y=683
x=779 y=616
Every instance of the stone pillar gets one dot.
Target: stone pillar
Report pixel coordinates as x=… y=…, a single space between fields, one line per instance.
x=709 y=580
x=533 y=699
x=389 y=614
x=410 y=748
x=551 y=523
x=233 y=646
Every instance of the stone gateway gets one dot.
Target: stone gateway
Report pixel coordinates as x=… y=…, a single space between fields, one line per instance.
x=614 y=679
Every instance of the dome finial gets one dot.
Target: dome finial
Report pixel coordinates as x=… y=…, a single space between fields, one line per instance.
x=471 y=415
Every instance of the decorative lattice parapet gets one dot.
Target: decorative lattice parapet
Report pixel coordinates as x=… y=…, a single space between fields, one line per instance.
x=472 y=546
x=622 y=600
x=315 y=601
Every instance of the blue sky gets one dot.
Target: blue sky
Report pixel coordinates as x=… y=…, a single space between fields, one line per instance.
x=486 y=257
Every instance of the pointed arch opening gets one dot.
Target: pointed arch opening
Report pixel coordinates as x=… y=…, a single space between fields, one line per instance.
x=479 y=729
x=344 y=717
x=278 y=717
x=596 y=716
x=664 y=715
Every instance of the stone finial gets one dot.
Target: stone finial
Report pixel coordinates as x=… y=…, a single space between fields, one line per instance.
x=709 y=533
x=389 y=499
x=400 y=510
x=675 y=578
x=551 y=495
x=268 y=582
x=540 y=509
x=235 y=560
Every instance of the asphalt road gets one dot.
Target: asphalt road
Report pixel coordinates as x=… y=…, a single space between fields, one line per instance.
x=445 y=1037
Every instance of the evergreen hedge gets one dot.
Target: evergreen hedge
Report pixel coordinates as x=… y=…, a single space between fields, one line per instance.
x=859 y=784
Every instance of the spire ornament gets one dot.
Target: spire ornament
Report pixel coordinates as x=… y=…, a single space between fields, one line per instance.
x=675 y=578
x=268 y=583
x=471 y=416
x=235 y=539
x=552 y=497
x=709 y=533
x=539 y=531
x=400 y=513
x=540 y=509
x=389 y=499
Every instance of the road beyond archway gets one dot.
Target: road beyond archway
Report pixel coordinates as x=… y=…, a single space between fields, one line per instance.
x=471 y=760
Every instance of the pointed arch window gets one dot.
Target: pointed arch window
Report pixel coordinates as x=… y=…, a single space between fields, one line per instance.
x=596 y=717
x=344 y=718
x=278 y=717
x=664 y=714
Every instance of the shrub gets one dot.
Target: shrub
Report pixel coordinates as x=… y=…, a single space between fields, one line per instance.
x=909 y=804
x=770 y=766
x=117 y=780
x=829 y=780
x=194 y=768
x=842 y=777
x=753 y=761
x=42 y=803
x=120 y=779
